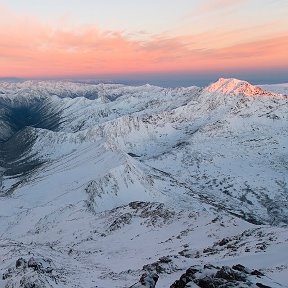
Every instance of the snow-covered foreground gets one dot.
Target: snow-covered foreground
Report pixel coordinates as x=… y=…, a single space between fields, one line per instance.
x=100 y=183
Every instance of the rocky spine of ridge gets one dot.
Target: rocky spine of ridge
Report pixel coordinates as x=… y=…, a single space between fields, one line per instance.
x=210 y=276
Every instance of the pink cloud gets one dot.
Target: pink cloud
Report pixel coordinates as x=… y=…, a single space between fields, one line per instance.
x=40 y=49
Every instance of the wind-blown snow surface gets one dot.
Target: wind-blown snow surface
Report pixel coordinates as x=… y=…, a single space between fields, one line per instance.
x=101 y=180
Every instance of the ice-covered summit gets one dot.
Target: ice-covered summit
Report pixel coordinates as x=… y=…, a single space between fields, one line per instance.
x=236 y=86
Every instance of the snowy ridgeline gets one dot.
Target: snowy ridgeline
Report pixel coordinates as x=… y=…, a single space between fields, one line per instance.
x=103 y=183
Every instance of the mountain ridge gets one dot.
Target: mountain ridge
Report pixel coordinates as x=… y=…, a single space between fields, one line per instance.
x=236 y=86
x=144 y=171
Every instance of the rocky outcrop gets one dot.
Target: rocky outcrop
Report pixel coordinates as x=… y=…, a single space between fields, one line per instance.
x=147 y=280
x=211 y=276
x=163 y=265
x=31 y=273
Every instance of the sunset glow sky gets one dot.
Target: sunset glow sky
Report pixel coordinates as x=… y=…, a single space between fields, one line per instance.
x=67 y=38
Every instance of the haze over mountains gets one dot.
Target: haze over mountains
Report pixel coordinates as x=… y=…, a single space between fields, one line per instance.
x=100 y=183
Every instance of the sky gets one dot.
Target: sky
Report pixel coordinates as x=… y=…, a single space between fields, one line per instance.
x=124 y=39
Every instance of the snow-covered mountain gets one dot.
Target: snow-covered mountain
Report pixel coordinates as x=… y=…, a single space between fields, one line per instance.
x=101 y=183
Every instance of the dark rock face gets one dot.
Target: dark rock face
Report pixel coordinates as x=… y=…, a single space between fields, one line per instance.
x=121 y=221
x=21 y=263
x=34 y=273
x=163 y=265
x=229 y=274
x=153 y=212
x=225 y=277
x=147 y=280
x=262 y=285
x=32 y=263
x=241 y=268
x=187 y=277
x=27 y=282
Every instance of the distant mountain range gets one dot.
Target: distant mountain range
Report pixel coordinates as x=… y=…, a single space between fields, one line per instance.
x=101 y=183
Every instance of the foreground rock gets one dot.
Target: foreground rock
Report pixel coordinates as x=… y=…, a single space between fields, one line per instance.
x=147 y=280
x=211 y=276
x=31 y=273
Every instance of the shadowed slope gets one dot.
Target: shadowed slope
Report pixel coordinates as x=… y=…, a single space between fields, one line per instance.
x=19 y=118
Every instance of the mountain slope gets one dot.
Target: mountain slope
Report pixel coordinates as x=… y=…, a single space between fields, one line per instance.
x=92 y=175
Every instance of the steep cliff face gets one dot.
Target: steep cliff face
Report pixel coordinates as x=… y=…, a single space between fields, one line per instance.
x=92 y=175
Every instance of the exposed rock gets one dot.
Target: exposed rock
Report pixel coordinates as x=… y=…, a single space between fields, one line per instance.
x=34 y=273
x=163 y=265
x=262 y=285
x=147 y=280
x=32 y=263
x=230 y=274
x=7 y=274
x=121 y=221
x=165 y=259
x=241 y=268
x=32 y=282
x=225 y=277
x=21 y=263
x=257 y=273
x=224 y=241
x=149 y=213
x=186 y=278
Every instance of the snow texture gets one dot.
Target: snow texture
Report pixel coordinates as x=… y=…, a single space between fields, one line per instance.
x=101 y=184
